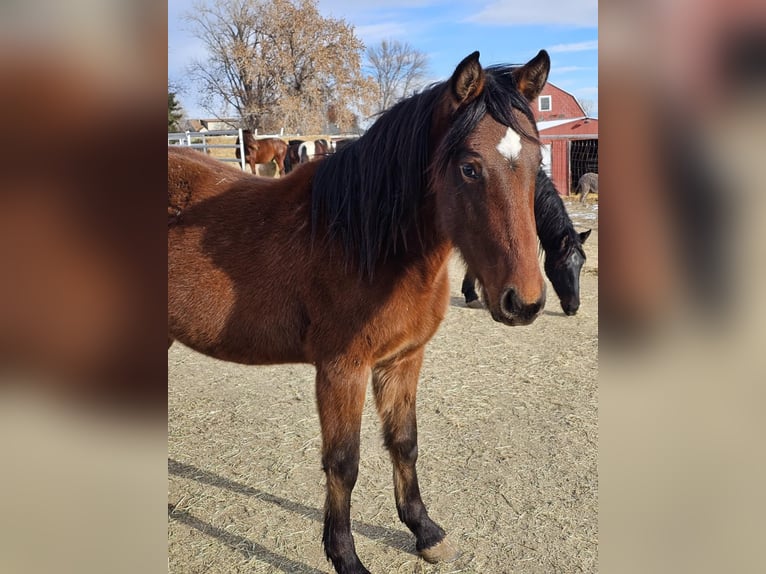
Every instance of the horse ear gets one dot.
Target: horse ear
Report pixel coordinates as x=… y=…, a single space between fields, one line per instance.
x=584 y=235
x=467 y=81
x=531 y=77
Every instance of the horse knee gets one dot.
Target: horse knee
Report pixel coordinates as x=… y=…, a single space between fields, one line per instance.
x=403 y=450
x=341 y=465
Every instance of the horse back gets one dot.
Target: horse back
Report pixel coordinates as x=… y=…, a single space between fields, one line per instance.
x=194 y=176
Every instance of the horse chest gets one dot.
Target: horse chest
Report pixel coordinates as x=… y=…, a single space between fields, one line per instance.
x=412 y=318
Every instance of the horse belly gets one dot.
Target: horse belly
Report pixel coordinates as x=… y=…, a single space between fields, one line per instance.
x=220 y=331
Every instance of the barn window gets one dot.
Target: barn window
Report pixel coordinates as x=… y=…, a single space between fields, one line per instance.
x=544 y=103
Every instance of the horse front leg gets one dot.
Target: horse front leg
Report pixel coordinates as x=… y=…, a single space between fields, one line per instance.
x=394 y=386
x=340 y=399
x=469 y=289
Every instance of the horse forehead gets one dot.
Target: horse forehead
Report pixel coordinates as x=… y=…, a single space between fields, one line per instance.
x=509 y=145
x=576 y=257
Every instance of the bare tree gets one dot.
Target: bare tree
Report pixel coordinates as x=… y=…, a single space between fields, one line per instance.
x=587 y=106
x=278 y=63
x=398 y=69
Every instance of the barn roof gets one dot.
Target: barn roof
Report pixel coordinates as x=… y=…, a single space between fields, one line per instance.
x=573 y=127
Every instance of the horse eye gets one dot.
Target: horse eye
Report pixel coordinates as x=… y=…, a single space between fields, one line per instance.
x=469 y=171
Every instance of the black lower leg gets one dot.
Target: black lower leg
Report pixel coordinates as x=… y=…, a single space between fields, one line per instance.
x=409 y=504
x=469 y=288
x=341 y=468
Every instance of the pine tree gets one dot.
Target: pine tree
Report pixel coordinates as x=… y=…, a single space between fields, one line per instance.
x=175 y=113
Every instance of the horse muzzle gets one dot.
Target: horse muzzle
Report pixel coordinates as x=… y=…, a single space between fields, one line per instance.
x=570 y=307
x=513 y=311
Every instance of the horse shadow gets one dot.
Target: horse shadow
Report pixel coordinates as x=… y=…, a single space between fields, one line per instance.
x=460 y=303
x=455 y=301
x=246 y=547
x=554 y=313
x=397 y=539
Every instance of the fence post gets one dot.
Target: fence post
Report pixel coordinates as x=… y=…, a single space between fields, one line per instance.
x=241 y=150
x=188 y=138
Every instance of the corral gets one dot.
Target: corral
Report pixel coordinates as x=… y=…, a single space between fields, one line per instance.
x=221 y=144
x=508 y=443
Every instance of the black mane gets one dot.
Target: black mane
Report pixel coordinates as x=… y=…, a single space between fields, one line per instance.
x=368 y=194
x=553 y=222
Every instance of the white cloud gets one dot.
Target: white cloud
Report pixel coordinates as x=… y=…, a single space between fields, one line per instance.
x=582 y=13
x=380 y=31
x=575 y=47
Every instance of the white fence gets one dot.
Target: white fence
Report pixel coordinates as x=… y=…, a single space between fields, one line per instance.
x=198 y=140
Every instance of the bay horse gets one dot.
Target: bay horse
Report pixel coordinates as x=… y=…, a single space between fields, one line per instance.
x=562 y=245
x=343 y=264
x=263 y=150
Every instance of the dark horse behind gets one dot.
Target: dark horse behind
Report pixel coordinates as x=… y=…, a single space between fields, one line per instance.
x=562 y=245
x=343 y=264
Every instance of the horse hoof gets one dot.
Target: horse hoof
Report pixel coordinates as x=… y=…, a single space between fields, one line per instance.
x=444 y=551
x=474 y=304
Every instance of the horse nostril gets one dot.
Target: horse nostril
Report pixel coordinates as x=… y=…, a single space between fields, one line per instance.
x=509 y=303
x=521 y=313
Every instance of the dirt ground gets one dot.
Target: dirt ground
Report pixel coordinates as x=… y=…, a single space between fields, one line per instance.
x=508 y=434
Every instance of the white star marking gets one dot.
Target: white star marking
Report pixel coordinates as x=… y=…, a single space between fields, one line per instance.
x=510 y=146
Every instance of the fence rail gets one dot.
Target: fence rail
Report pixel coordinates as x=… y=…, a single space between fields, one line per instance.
x=198 y=140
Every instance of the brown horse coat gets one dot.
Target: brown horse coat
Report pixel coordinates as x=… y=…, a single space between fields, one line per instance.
x=343 y=264
x=263 y=150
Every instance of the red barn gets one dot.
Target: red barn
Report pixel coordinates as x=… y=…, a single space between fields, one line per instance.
x=569 y=137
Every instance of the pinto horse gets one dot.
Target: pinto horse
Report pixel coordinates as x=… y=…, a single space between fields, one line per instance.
x=322 y=147
x=359 y=245
x=311 y=150
x=264 y=150
x=563 y=247
x=292 y=157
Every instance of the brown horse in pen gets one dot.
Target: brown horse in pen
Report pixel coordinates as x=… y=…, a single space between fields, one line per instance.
x=264 y=150
x=343 y=264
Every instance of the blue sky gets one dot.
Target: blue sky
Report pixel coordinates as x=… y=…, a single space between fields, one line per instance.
x=504 y=31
